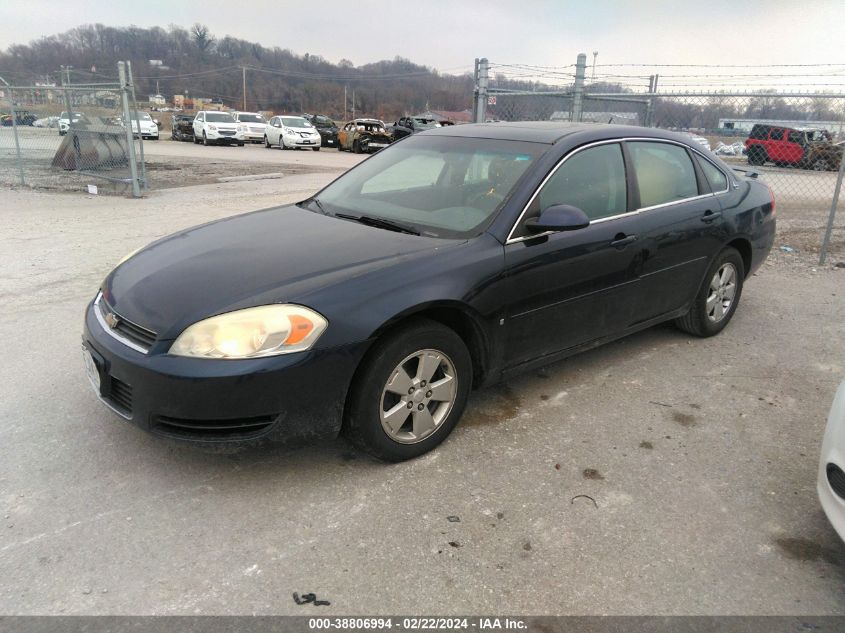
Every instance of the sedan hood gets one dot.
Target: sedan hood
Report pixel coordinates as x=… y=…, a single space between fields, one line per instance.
x=270 y=256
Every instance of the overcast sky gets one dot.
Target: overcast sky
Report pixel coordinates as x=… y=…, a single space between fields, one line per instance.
x=449 y=34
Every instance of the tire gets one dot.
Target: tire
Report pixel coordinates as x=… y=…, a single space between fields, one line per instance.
x=703 y=319
x=756 y=155
x=356 y=147
x=240 y=144
x=820 y=164
x=205 y=140
x=370 y=397
x=316 y=149
x=266 y=142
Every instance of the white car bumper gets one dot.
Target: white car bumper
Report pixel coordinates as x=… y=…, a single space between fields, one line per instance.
x=256 y=134
x=298 y=141
x=223 y=135
x=831 y=481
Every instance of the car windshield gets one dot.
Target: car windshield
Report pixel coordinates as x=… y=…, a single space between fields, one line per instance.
x=426 y=123
x=250 y=118
x=441 y=186
x=326 y=121
x=295 y=121
x=219 y=117
x=143 y=116
x=369 y=126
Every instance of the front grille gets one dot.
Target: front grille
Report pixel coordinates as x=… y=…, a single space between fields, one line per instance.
x=120 y=395
x=124 y=329
x=210 y=430
x=836 y=479
x=226 y=133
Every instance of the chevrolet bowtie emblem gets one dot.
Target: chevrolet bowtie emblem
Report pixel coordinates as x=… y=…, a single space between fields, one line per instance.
x=112 y=320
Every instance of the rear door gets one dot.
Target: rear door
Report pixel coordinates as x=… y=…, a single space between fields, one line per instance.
x=568 y=288
x=680 y=225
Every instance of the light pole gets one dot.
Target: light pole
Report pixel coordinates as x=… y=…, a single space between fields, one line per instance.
x=593 y=74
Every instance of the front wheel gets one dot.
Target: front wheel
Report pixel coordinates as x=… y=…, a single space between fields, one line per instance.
x=410 y=391
x=718 y=297
x=266 y=142
x=316 y=149
x=205 y=140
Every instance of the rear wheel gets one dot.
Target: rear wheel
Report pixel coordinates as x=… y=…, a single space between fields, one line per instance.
x=718 y=297
x=756 y=155
x=410 y=391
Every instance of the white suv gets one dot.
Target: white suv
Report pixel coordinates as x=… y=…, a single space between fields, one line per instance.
x=250 y=126
x=215 y=128
x=291 y=132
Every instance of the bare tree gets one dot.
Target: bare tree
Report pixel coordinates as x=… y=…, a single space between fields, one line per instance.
x=202 y=37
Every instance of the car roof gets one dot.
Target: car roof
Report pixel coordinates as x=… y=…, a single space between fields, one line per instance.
x=367 y=121
x=550 y=131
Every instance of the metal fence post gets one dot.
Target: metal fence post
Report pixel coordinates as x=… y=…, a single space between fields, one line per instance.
x=127 y=126
x=15 y=131
x=578 y=94
x=143 y=166
x=829 y=230
x=483 y=80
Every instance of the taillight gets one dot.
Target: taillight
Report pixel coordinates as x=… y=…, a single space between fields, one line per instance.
x=772 y=196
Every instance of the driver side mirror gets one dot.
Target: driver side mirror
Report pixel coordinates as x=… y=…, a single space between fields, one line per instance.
x=558 y=217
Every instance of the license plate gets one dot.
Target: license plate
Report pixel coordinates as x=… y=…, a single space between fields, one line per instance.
x=330 y=142
x=91 y=369
x=307 y=142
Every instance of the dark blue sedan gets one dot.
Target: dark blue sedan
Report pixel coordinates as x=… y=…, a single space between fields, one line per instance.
x=451 y=260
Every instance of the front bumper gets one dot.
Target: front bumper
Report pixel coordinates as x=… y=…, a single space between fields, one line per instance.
x=286 y=398
x=300 y=142
x=832 y=458
x=328 y=140
x=219 y=136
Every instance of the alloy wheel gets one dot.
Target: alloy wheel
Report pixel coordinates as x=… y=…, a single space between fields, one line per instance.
x=722 y=292
x=418 y=396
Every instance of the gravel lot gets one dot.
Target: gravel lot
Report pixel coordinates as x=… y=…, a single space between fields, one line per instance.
x=700 y=455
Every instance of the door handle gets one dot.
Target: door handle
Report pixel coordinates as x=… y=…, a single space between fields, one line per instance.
x=709 y=216
x=621 y=240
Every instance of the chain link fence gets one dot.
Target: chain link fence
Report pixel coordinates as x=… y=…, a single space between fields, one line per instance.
x=794 y=140
x=65 y=138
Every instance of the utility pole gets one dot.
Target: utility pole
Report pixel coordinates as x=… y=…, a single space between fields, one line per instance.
x=578 y=95
x=353 y=103
x=127 y=126
x=593 y=74
x=344 y=105
x=243 y=70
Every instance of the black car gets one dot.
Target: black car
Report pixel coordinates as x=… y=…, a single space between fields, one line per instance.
x=182 y=127
x=408 y=125
x=453 y=259
x=325 y=126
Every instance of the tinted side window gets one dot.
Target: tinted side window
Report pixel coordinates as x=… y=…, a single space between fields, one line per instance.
x=795 y=137
x=718 y=181
x=664 y=172
x=592 y=180
x=759 y=132
x=776 y=134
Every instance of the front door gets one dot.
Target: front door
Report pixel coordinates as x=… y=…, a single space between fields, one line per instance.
x=569 y=288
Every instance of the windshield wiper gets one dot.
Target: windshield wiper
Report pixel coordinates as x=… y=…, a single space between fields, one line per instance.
x=380 y=223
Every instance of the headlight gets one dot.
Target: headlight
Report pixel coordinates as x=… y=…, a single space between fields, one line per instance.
x=213 y=128
x=252 y=333
x=242 y=128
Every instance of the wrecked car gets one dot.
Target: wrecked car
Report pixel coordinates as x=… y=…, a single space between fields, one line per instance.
x=363 y=136
x=408 y=125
